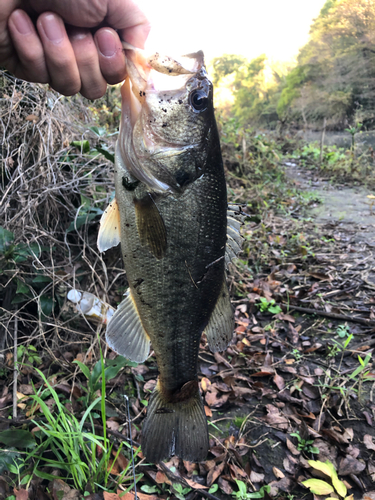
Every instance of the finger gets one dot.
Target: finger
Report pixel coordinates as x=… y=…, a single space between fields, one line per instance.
x=93 y=85
x=111 y=55
x=31 y=64
x=126 y=16
x=60 y=58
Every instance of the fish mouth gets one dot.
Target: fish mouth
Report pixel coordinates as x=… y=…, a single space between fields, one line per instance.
x=152 y=73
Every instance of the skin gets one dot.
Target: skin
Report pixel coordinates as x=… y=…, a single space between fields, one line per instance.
x=70 y=44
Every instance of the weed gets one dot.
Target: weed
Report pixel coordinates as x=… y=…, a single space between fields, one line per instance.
x=242 y=493
x=62 y=441
x=305 y=444
x=343 y=331
x=268 y=306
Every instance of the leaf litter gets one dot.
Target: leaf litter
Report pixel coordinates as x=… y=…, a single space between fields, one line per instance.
x=304 y=307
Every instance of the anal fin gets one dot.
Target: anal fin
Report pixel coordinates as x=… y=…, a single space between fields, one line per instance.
x=125 y=333
x=220 y=327
x=110 y=229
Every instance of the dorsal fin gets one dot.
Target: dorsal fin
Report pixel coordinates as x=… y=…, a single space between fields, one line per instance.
x=110 y=229
x=235 y=219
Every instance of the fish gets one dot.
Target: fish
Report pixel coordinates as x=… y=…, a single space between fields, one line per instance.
x=177 y=237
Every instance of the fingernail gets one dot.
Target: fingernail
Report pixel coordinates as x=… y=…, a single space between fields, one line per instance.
x=53 y=28
x=21 y=22
x=106 y=43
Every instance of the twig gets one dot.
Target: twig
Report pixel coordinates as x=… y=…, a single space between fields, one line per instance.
x=343 y=317
x=15 y=370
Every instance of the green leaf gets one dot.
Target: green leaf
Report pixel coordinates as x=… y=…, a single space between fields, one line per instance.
x=22 y=288
x=84 y=368
x=326 y=467
x=7 y=459
x=105 y=152
x=213 y=488
x=339 y=486
x=84 y=146
x=99 y=131
x=18 y=438
x=318 y=487
x=6 y=238
x=41 y=278
x=149 y=489
x=47 y=304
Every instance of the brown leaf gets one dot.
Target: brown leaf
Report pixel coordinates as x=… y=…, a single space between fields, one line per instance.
x=21 y=494
x=292 y=448
x=214 y=473
x=279 y=382
x=214 y=399
x=194 y=484
x=149 y=385
x=277 y=473
x=236 y=472
x=255 y=477
x=161 y=478
x=293 y=334
x=350 y=465
x=207 y=411
x=113 y=425
x=205 y=384
x=367 y=440
x=275 y=418
x=111 y=496
x=34 y=119
x=225 y=486
x=286 y=317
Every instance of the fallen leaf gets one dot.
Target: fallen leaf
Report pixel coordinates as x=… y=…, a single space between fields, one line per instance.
x=111 y=496
x=21 y=494
x=367 y=440
x=350 y=465
x=277 y=472
x=225 y=486
x=255 y=477
x=293 y=449
x=318 y=486
x=279 y=382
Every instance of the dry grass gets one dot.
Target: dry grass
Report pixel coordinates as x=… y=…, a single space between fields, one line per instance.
x=45 y=186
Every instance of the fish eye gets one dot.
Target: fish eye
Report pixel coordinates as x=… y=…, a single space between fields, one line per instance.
x=198 y=100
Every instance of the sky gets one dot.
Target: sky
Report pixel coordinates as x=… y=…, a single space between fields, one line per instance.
x=277 y=28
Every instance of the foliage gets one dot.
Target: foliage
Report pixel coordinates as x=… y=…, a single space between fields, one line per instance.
x=268 y=306
x=305 y=444
x=242 y=493
x=320 y=487
x=333 y=79
x=61 y=441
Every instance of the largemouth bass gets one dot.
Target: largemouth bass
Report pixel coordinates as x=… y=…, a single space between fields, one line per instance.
x=170 y=215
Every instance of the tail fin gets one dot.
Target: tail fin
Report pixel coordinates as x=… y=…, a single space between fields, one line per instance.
x=175 y=428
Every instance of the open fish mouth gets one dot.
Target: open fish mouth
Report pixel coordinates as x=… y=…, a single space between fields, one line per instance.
x=155 y=84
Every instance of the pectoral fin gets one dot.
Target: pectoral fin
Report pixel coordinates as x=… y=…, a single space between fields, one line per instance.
x=220 y=327
x=110 y=230
x=150 y=224
x=125 y=333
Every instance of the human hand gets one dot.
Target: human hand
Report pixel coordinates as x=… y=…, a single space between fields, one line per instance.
x=60 y=48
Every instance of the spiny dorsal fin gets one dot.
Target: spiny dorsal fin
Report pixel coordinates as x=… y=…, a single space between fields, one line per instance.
x=110 y=230
x=220 y=327
x=125 y=333
x=150 y=224
x=235 y=219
